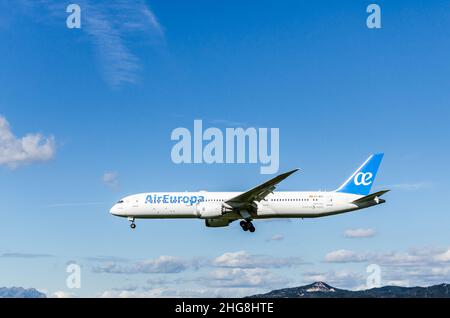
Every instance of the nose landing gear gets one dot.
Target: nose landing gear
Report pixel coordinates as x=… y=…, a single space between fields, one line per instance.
x=247 y=226
x=132 y=225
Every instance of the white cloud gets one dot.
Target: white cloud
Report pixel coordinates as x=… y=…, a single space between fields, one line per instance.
x=172 y=264
x=197 y=292
x=244 y=277
x=344 y=256
x=397 y=282
x=163 y=264
x=419 y=266
x=409 y=258
x=106 y=259
x=420 y=275
x=154 y=293
x=412 y=257
x=359 y=233
x=233 y=274
x=15 y=151
x=243 y=259
x=63 y=294
x=276 y=237
x=443 y=257
x=410 y=186
x=236 y=274
x=111 y=179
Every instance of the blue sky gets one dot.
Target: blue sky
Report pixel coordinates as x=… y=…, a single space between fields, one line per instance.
x=105 y=98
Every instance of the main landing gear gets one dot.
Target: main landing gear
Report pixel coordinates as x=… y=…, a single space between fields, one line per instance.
x=247 y=226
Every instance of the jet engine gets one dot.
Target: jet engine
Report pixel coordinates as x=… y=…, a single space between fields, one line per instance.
x=207 y=210
x=219 y=222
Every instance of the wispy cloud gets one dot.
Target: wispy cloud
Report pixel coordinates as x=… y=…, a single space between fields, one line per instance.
x=63 y=294
x=243 y=259
x=173 y=265
x=111 y=179
x=276 y=238
x=75 y=204
x=359 y=233
x=244 y=277
x=16 y=151
x=409 y=186
x=230 y=274
x=344 y=256
x=24 y=255
x=111 y=26
x=106 y=259
x=164 y=292
x=163 y=264
x=419 y=266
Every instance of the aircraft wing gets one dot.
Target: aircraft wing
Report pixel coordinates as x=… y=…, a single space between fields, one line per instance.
x=258 y=193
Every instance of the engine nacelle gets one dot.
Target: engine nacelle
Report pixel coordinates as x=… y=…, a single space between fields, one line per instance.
x=206 y=210
x=220 y=222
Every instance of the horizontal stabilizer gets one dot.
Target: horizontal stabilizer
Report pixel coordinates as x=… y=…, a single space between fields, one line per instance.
x=371 y=197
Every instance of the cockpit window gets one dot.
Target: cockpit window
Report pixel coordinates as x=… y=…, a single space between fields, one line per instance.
x=121 y=201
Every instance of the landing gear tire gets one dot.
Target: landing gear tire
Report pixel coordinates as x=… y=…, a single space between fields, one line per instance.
x=247 y=226
x=132 y=225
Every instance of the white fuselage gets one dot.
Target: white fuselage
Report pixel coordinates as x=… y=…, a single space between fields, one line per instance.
x=204 y=205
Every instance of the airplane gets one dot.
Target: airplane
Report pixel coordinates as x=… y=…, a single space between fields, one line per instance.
x=220 y=209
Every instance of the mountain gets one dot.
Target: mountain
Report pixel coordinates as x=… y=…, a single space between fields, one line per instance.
x=322 y=290
x=19 y=292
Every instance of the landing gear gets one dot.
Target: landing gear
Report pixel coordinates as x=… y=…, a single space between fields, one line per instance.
x=132 y=225
x=247 y=226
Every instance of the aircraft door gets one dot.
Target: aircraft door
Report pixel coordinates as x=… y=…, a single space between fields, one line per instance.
x=328 y=201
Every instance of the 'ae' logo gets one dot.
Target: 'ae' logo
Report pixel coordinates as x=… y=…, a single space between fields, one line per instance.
x=363 y=178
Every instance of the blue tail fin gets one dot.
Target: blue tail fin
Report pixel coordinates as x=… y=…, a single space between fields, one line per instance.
x=362 y=179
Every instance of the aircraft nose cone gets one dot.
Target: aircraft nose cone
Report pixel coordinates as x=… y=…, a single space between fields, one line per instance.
x=113 y=210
